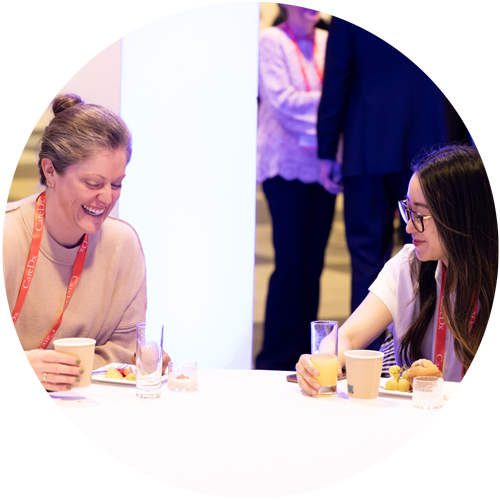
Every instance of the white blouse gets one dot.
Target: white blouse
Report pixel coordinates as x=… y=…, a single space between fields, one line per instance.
x=395 y=288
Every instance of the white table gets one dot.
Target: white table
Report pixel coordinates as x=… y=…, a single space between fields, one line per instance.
x=244 y=433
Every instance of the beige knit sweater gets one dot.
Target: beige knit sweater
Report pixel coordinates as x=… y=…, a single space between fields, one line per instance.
x=110 y=297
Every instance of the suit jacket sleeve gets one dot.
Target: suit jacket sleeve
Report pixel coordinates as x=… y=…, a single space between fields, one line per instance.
x=336 y=87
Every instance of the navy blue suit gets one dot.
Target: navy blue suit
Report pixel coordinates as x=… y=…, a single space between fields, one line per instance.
x=389 y=112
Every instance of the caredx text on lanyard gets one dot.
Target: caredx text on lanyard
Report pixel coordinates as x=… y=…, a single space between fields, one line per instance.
x=441 y=327
x=31 y=263
x=289 y=31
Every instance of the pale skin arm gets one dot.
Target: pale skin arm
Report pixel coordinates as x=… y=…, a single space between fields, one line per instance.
x=364 y=325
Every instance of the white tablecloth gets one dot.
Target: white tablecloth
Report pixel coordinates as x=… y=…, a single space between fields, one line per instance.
x=244 y=433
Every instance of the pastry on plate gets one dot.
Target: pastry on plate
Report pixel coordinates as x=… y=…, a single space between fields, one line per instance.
x=423 y=368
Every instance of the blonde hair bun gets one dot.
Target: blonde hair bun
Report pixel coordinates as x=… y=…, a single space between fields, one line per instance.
x=65 y=101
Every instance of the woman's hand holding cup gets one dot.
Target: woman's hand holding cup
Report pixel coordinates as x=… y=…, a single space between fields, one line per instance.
x=56 y=371
x=306 y=372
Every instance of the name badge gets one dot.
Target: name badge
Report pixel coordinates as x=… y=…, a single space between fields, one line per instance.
x=308 y=141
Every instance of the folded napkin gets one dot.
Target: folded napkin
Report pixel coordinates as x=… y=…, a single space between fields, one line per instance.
x=470 y=394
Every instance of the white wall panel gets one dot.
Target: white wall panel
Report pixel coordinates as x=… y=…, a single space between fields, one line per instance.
x=188 y=94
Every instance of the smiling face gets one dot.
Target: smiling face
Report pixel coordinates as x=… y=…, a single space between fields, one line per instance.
x=428 y=245
x=79 y=201
x=302 y=19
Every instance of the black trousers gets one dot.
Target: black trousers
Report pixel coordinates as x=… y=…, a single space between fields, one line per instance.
x=369 y=205
x=302 y=216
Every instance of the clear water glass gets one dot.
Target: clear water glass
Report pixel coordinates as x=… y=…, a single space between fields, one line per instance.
x=428 y=393
x=149 y=356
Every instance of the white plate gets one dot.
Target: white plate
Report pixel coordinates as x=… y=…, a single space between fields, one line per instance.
x=101 y=377
x=448 y=388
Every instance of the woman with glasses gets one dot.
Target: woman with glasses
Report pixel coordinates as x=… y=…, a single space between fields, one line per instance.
x=436 y=294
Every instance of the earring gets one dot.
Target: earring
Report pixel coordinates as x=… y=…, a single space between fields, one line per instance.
x=49 y=185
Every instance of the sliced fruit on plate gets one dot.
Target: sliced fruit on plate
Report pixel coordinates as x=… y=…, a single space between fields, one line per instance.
x=113 y=373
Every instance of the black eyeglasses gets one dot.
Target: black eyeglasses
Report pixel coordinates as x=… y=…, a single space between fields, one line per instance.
x=416 y=218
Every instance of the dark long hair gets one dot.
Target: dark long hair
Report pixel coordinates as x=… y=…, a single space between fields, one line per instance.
x=457 y=191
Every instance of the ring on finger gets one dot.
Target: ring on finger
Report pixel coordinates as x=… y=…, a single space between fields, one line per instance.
x=45 y=377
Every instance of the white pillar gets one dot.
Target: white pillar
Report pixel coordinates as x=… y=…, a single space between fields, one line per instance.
x=189 y=96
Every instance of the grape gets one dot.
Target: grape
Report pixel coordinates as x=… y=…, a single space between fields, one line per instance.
x=391 y=384
x=403 y=385
x=394 y=371
x=405 y=374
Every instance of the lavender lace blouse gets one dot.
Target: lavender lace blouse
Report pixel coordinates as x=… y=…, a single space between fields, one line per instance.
x=286 y=135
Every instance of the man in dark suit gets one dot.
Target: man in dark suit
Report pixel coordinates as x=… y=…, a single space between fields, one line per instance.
x=388 y=111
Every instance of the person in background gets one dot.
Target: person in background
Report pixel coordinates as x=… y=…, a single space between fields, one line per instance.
x=485 y=46
x=282 y=17
x=290 y=75
x=436 y=294
x=388 y=111
x=71 y=270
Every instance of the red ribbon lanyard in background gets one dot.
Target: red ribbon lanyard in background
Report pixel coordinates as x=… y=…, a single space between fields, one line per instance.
x=288 y=30
x=441 y=327
x=31 y=263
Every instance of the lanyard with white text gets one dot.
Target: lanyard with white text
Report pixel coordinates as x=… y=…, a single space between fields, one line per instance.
x=441 y=327
x=288 y=30
x=31 y=263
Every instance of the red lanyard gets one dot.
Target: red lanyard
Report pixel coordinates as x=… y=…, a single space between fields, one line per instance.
x=479 y=37
x=288 y=30
x=441 y=326
x=31 y=263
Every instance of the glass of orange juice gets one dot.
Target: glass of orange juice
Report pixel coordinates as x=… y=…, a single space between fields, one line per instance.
x=327 y=378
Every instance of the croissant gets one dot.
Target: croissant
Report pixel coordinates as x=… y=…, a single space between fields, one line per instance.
x=421 y=368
